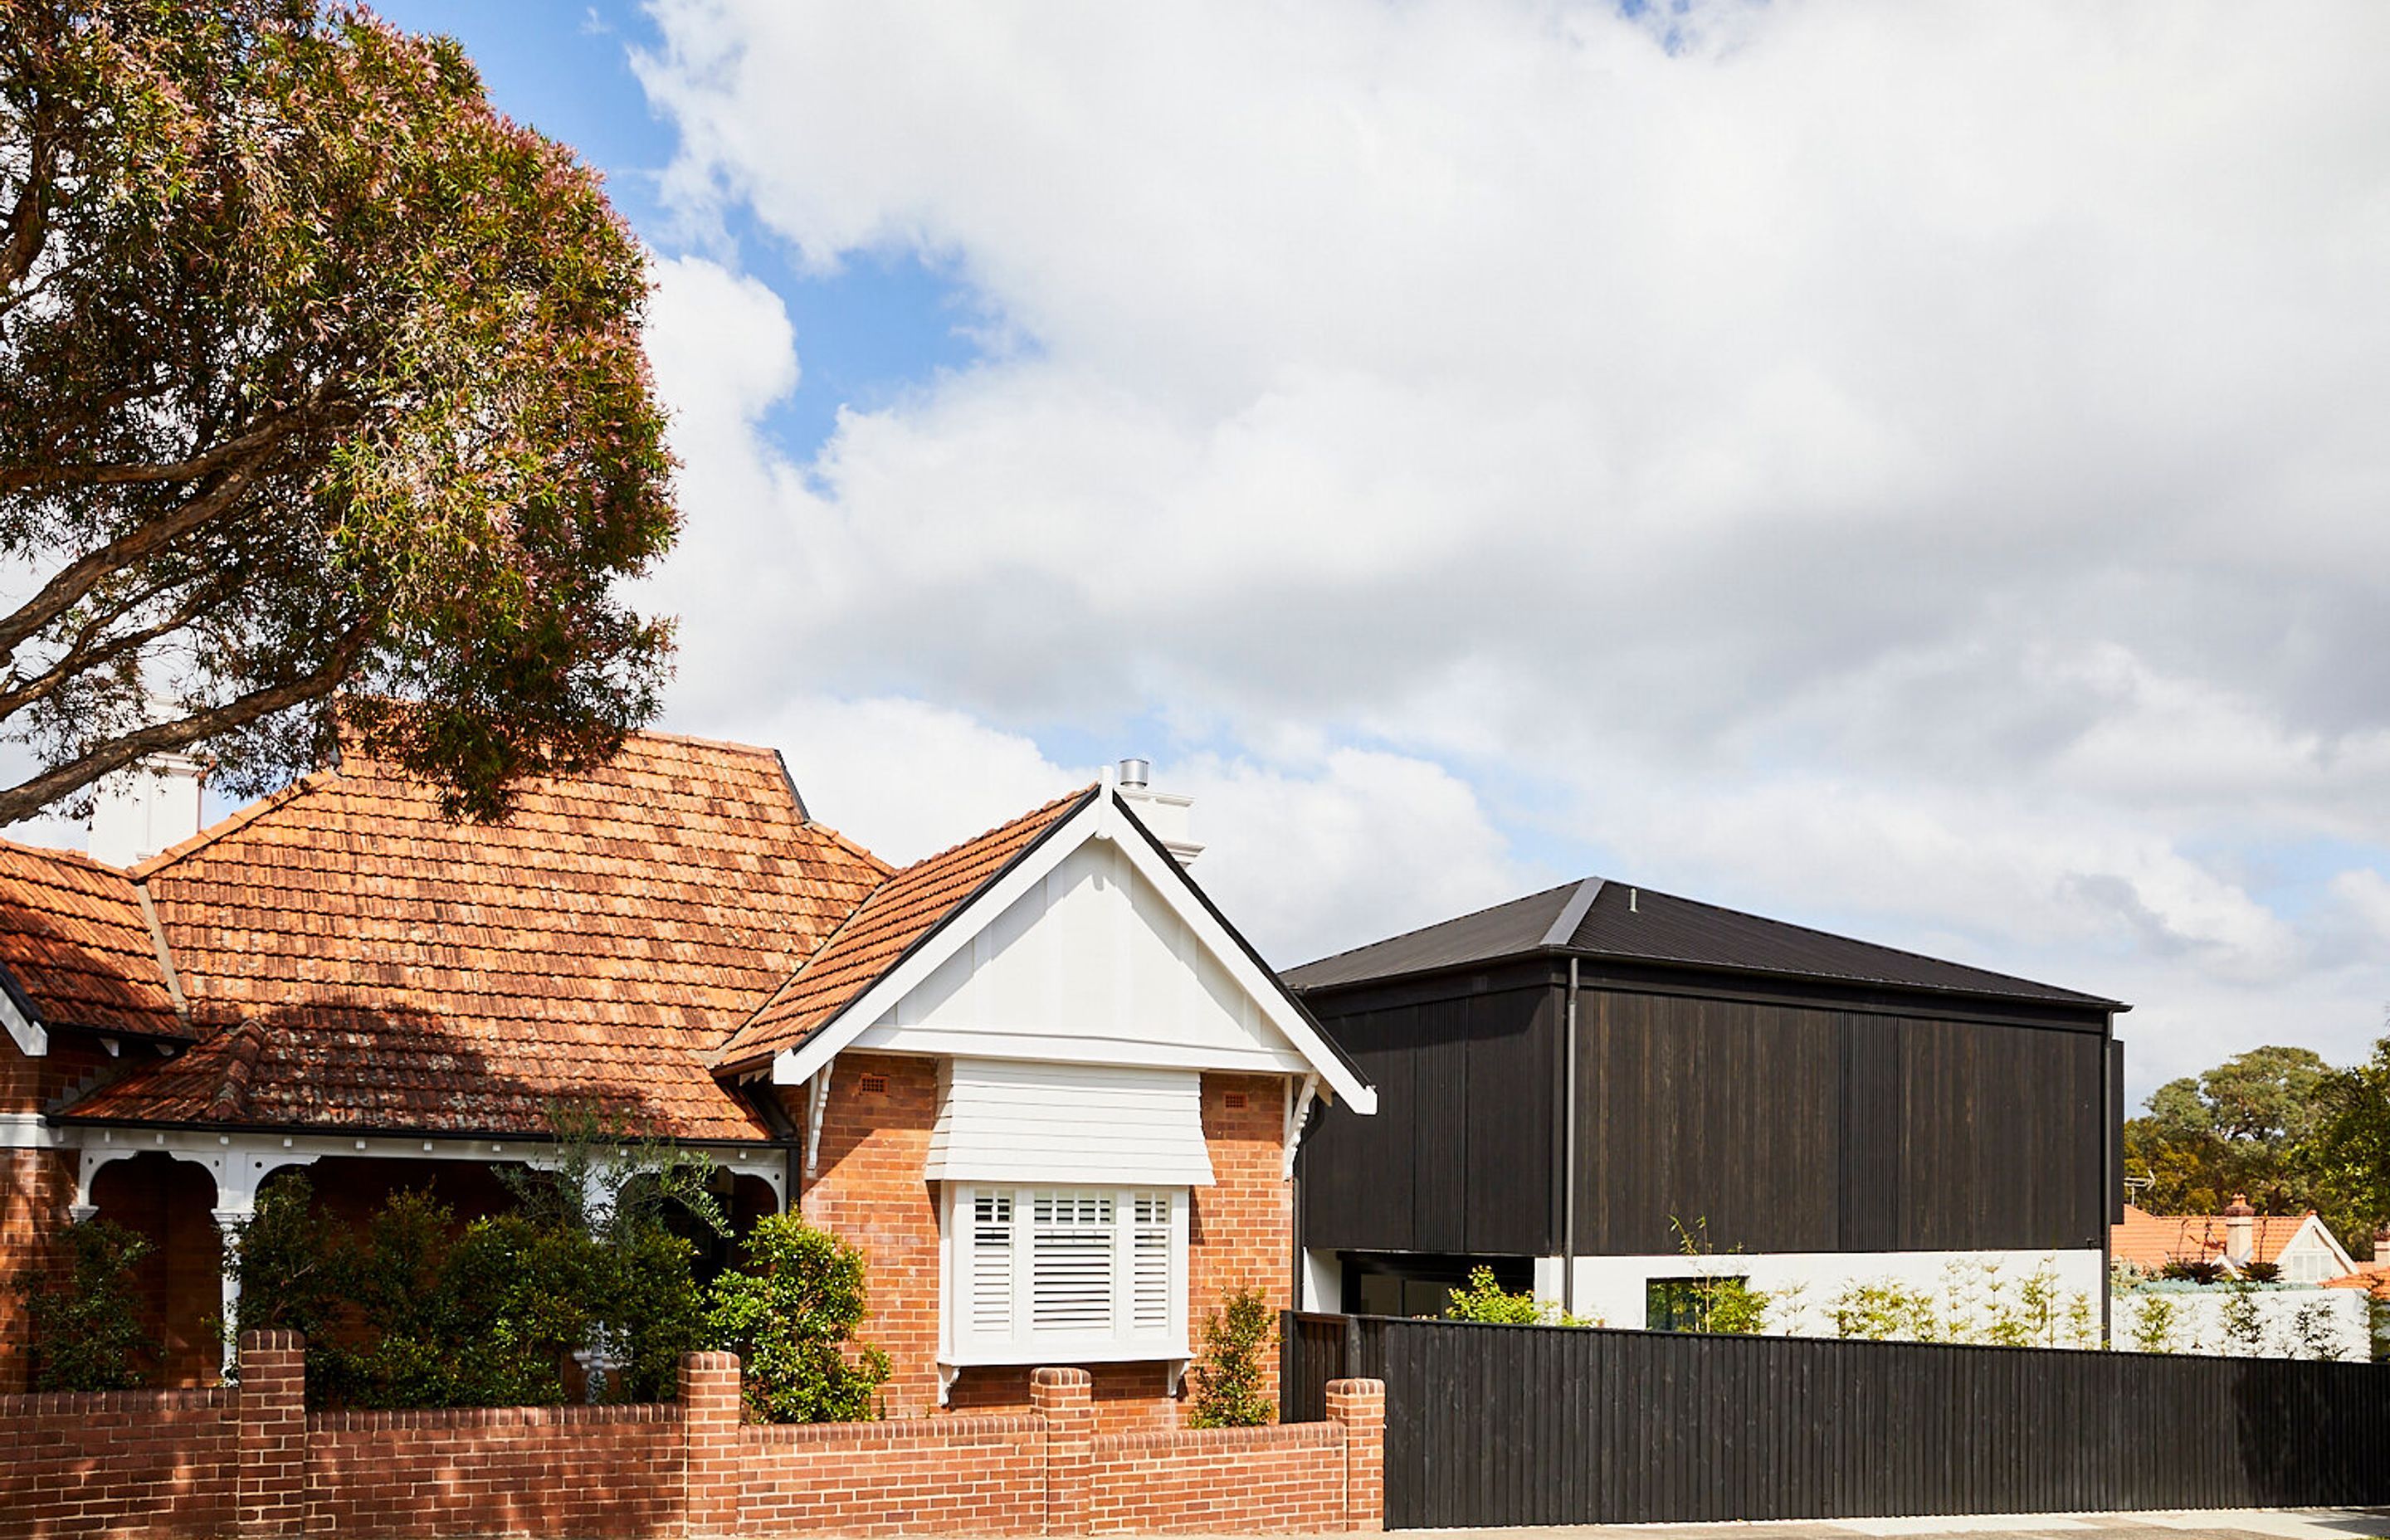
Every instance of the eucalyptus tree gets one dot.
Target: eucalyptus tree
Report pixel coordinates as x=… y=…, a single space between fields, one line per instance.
x=323 y=409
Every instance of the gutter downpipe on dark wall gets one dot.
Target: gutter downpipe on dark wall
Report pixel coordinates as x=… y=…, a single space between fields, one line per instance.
x=2112 y=1141
x=1567 y=1149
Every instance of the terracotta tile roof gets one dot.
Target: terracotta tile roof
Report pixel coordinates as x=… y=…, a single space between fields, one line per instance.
x=2150 y=1241
x=2372 y=1277
x=390 y=969
x=897 y=916
x=73 y=935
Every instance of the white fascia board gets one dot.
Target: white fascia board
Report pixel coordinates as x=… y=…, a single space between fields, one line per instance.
x=795 y=1066
x=1172 y=881
x=1101 y=819
x=2316 y=1226
x=32 y=1040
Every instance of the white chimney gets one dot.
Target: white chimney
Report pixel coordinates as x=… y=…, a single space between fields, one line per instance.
x=145 y=807
x=1165 y=816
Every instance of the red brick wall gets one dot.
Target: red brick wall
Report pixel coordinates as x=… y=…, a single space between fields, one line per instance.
x=564 y=1470
x=35 y=1187
x=1219 y=1480
x=1241 y=1233
x=182 y=1465
x=978 y=1475
x=150 y=1463
x=869 y=1189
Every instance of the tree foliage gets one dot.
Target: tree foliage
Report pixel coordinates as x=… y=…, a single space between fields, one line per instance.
x=317 y=375
x=791 y=1313
x=2348 y=1151
x=86 y=1327
x=2247 y=1125
x=1231 y=1376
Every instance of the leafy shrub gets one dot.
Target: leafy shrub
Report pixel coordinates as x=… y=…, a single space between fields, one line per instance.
x=2317 y=1336
x=87 y=1335
x=1485 y=1300
x=2262 y=1271
x=2194 y=1271
x=418 y=1310
x=1885 y=1312
x=2243 y=1327
x=2153 y=1324
x=790 y=1315
x=1228 y=1374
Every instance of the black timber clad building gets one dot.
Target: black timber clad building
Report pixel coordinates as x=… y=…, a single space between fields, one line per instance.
x=1573 y=1073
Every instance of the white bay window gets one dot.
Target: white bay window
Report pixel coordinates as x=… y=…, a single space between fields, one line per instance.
x=1065 y=1274
x=1065 y=1192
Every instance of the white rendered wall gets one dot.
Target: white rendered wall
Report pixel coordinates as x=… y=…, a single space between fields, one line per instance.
x=1323 y=1281
x=1804 y=1284
x=2197 y=1324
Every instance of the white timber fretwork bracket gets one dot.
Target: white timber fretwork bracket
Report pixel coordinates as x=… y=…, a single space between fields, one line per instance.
x=1298 y=1111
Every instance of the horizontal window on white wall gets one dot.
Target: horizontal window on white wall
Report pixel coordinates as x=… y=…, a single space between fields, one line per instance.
x=1063 y=1274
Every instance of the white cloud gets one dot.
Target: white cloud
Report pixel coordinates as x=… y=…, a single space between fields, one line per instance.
x=1919 y=464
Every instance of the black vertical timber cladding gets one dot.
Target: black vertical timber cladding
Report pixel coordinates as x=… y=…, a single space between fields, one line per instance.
x=1460 y=1158
x=1507 y=1196
x=1440 y=1127
x=1797 y=1129
x=1870 y=1144
x=1549 y=1425
x=1809 y=1121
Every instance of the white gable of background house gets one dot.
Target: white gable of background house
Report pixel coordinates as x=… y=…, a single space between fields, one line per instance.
x=1094 y=965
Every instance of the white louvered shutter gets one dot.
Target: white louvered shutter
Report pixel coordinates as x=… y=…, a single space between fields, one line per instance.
x=1070 y=1262
x=1150 y=1264
x=990 y=1268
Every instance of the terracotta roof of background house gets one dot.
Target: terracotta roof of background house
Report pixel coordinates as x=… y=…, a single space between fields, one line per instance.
x=74 y=939
x=901 y=915
x=388 y=969
x=2150 y=1241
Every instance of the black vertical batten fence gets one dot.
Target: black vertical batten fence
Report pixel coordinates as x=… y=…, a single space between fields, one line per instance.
x=1571 y=1425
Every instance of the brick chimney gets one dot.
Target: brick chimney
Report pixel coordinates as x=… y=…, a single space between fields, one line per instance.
x=1165 y=815
x=2239 y=1230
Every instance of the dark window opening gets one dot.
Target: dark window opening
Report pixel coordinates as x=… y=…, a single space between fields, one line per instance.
x=1381 y=1283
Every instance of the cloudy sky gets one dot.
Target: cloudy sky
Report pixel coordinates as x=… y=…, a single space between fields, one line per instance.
x=1914 y=470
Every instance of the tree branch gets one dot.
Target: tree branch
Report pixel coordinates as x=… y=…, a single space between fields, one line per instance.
x=30 y=797
x=83 y=656
x=29 y=221
x=265 y=435
x=87 y=571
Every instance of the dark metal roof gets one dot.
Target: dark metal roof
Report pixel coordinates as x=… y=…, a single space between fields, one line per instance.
x=1505 y=930
x=1614 y=921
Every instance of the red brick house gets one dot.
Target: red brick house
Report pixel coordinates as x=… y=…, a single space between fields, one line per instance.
x=1037 y=1078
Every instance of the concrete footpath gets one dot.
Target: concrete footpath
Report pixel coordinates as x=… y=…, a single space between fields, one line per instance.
x=2274 y=1524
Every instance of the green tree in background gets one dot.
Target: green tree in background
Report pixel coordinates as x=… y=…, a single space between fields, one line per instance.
x=2242 y=1126
x=2348 y=1149
x=316 y=376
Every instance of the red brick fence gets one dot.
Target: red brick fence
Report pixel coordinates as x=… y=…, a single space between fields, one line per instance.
x=252 y=1461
